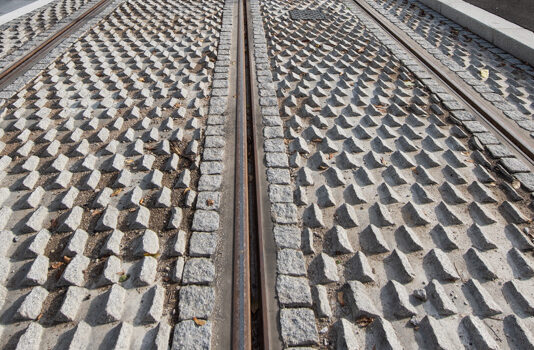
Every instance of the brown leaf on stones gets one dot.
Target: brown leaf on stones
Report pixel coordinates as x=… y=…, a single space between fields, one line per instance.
x=364 y=321
x=116 y=192
x=96 y=212
x=340 y=298
x=66 y=259
x=56 y=264
x=128 y=161
x=174 y=148
x=199 y=322
x=516 y=184
x=209 y=202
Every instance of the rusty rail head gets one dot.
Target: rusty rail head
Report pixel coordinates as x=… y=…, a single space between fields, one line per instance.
x=7 y=73
x=241 y=318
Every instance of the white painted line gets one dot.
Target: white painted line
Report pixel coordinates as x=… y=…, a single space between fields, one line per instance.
x=23 y=10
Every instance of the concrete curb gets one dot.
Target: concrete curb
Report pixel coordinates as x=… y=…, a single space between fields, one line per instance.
x=504 y=34
x=21 y=11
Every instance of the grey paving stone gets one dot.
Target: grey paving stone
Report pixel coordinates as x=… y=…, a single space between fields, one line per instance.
x=202 y=244
x=205 y=220
x=195 y=301
x=293 y=291
x=198 y=271
x=187 y=335
x=32 y=303
x=298 y=327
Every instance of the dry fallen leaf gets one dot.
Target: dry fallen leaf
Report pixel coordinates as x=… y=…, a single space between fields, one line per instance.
x=116 y=192
x=56 y=264
x=209 y=202
x=484 y=74
x=175 y=149
x=129 y=161
x=199 y=322
x=141 y=201
x=364 y=321
x=340 y=298
x=516 y=184
x=67 y=259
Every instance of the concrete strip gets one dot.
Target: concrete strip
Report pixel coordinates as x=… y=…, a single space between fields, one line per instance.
x=504 y=34
x=16 y=13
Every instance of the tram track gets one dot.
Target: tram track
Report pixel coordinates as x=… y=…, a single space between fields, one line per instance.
x=20 y=66
x=254 y=249
x=485 y=112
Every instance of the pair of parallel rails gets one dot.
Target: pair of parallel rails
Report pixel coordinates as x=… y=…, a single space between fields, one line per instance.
x=248 y=191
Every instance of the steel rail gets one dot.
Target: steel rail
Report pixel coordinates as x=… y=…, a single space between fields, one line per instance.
x=241 y=318
x=266 y=322
x=493 y=117
x=10 y=73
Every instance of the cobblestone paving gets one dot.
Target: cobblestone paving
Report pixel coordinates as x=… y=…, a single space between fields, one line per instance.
x=499 y=77
x=110 y=184
x=393 y=230
x=37 y=25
